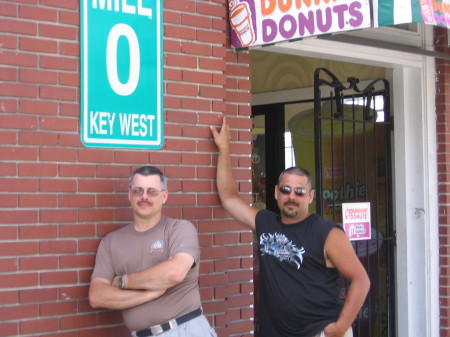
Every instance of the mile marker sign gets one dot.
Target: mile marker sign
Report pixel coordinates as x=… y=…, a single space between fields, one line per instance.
x=121 y=73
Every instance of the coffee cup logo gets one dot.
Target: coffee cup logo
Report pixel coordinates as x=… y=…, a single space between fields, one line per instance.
x=241 y=21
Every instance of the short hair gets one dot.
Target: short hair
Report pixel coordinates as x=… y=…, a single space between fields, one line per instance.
x=148 y=171
x=297 y=170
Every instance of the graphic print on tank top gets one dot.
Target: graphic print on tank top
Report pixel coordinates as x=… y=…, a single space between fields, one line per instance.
x=279 y=246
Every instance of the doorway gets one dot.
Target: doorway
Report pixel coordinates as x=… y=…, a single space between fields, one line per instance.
x=278 y=135
x=284 y=136
x=283 y=73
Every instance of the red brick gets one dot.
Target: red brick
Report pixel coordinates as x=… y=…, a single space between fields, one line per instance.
x=38 y=45
x=195 y=21
x=196 y=104
x=57 y=278
x=76 y=231
x=57 y=154
x=97 y=214
x=39 y=326
x=73 y=292
x=180 y=172
x=88 y=245
x=18 y=90
x=58 y=93
x=76 y=262
x=11 y=75
x=38 y=232
x=8 y=169
x=59 y=124
x=96 y=156
x=212 y=64
x=96 y=185
x=38 y=13
x=38 y=295
x=38 y=107
x=18 y=27
x=69 y=109
x=189 y=186
x=195 y=131
x=58 y=308
x=184 y=61
x=182 y=89
x=58 y=31
x=9 y=329
x=68 y=4
x=8 y=9
x=8 y=265
x=37 y=138
x=37 y=170
x=18 y=217
x=18 y=122
x=69 y=79
x=17 y=281
x=59 y=63
x=69 y=17
x=37 y=76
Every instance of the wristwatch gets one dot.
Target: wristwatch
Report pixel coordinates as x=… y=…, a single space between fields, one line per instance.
x=121 y=282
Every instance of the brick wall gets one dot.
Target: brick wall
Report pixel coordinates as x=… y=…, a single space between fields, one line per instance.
x=58 y=198
x=442 y=111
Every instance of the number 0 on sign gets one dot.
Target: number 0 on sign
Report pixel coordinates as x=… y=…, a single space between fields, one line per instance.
x=121 y=73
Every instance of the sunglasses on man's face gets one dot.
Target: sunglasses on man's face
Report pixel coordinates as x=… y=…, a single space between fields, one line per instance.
x=139 y=191
x=299 y=191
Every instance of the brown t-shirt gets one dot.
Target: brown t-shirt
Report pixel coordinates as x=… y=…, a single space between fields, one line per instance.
x=127 y=251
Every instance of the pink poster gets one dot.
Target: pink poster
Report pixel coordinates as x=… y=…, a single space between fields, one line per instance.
x=356 y=220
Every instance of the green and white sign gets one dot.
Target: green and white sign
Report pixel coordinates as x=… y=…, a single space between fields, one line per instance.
x=121 y=73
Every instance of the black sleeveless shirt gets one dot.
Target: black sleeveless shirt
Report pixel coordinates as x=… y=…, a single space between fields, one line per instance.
x=299 y=295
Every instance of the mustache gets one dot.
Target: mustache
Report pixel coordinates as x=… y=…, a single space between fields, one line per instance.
x=145 y=202
x=290 y=202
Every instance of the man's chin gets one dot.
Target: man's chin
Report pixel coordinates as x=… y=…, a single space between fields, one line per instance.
x=290 y=214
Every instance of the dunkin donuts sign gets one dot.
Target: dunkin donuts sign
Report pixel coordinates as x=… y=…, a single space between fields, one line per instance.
x=258 y=22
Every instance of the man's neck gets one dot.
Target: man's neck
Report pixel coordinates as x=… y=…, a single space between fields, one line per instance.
x=142 y=225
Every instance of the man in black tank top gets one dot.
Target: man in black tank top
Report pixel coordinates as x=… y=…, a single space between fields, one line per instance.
x=301 y=256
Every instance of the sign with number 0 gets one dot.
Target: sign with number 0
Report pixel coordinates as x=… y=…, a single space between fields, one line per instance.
x=121 y=74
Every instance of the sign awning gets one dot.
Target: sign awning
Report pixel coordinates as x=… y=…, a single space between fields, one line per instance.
x=263 y=22
x=259 y=22
x=395 y=12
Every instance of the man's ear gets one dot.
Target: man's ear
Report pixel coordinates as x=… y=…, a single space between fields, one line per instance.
x=312 y=193
x=165 y=196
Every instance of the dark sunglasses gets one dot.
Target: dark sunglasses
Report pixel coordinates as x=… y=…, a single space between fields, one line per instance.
x=299 y=191
x=139 y=191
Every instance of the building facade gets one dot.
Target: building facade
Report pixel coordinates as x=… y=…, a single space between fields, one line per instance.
x=58 y=198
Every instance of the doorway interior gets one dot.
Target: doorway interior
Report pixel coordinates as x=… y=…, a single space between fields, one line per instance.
x=277 y=145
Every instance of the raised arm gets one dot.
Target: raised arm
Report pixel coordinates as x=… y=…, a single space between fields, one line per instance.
x=226 y=184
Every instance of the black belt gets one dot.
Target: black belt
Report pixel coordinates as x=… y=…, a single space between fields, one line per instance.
x=166 y=326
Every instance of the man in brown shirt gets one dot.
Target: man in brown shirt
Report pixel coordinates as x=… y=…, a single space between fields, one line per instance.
x=149 y=268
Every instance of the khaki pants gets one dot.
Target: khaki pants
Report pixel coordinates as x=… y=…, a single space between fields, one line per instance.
x=349 y=333
x=197 y=327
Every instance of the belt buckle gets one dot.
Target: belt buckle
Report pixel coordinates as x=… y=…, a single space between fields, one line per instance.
x=156 y=330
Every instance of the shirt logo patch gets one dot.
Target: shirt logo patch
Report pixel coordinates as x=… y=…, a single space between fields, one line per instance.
x=279 y=246
x=157 y=247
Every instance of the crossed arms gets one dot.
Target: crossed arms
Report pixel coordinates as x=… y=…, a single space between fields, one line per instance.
x=141 y=287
